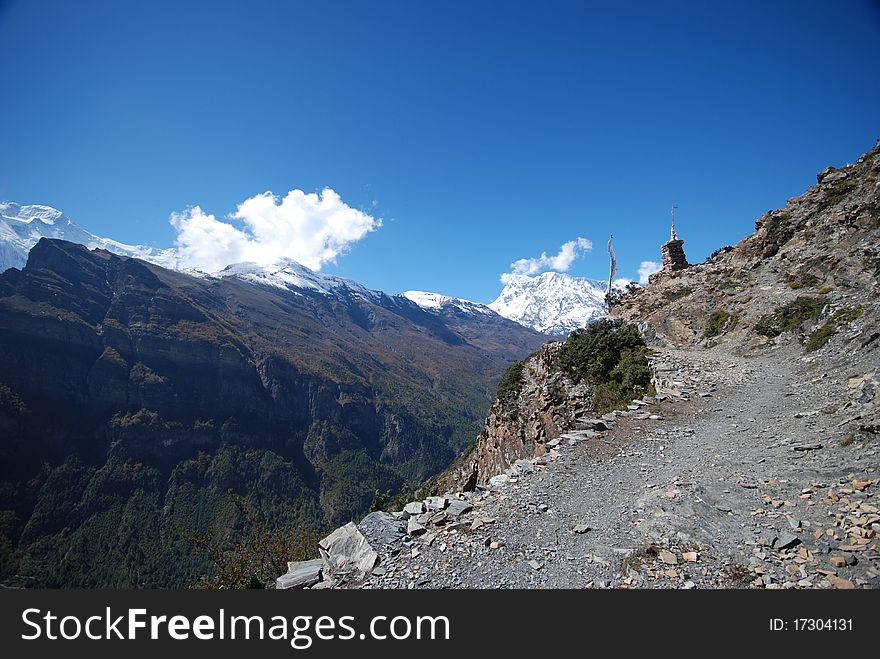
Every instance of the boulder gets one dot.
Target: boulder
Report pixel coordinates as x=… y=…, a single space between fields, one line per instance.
x=347 y=548
x=500 y=480
x=414 y=528
x=436 y=503
x=592 y=424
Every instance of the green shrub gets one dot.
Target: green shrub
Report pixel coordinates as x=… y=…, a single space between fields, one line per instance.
x=512 y=381
x=613 y=357
x=767 y=327
x=718 y=251
x=846 y=315
x=717 y=324
x=254 y=554
x=617 y=295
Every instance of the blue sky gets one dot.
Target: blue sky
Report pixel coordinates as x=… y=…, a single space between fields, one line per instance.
x=478 y=132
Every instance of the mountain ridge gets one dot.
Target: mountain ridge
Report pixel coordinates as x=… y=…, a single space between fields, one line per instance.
x=132 y=397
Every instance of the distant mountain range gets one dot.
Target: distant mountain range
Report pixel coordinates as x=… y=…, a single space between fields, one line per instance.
x=135 y=393
x=552 y=303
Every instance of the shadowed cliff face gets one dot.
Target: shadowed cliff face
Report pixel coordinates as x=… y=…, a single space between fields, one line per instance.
x=132 y=397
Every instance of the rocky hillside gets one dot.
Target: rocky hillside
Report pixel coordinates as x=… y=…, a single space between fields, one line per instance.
x=753 y=463
x=554 y=395
x=132 y=397
x=809 y=271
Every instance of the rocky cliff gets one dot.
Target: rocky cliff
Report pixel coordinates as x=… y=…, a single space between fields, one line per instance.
x=541 y=402
x=553 y=396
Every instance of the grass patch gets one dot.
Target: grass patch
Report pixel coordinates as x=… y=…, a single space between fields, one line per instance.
x=717 y=324
x=820 y=336
x=790 y=316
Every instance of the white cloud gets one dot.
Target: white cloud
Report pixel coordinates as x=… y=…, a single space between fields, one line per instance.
x=561 y=262
x=646 y=269
x=311 y=229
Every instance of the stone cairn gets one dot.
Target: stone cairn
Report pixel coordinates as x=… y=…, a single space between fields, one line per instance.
x=672 y=252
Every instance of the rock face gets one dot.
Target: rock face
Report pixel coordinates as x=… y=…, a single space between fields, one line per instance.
x=522 y=423
x=133 y=397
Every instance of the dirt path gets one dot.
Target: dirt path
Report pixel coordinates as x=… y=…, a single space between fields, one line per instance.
x=748 y=479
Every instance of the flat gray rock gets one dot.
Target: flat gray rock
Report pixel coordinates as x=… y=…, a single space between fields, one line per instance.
x=414 y=528
x=592 y=424
x=301 y=574
x=436 y=503
x=786 y=540
x=457 y=507
x=381 y=528
x=524 y=466
x=414 y=508
x=766 y=539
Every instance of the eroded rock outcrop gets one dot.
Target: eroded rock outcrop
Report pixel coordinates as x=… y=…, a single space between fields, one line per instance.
x=542 y=405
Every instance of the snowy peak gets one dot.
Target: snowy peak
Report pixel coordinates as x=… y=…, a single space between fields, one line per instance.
x=291 y=275
x=27 y=214
x=437 y=303
x=22 y=226
x=554 y=302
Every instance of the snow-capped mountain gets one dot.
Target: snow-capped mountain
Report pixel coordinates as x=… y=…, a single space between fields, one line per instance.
x=293 y=276
x=553 y=303
x=435 y=302
x=21 y=227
